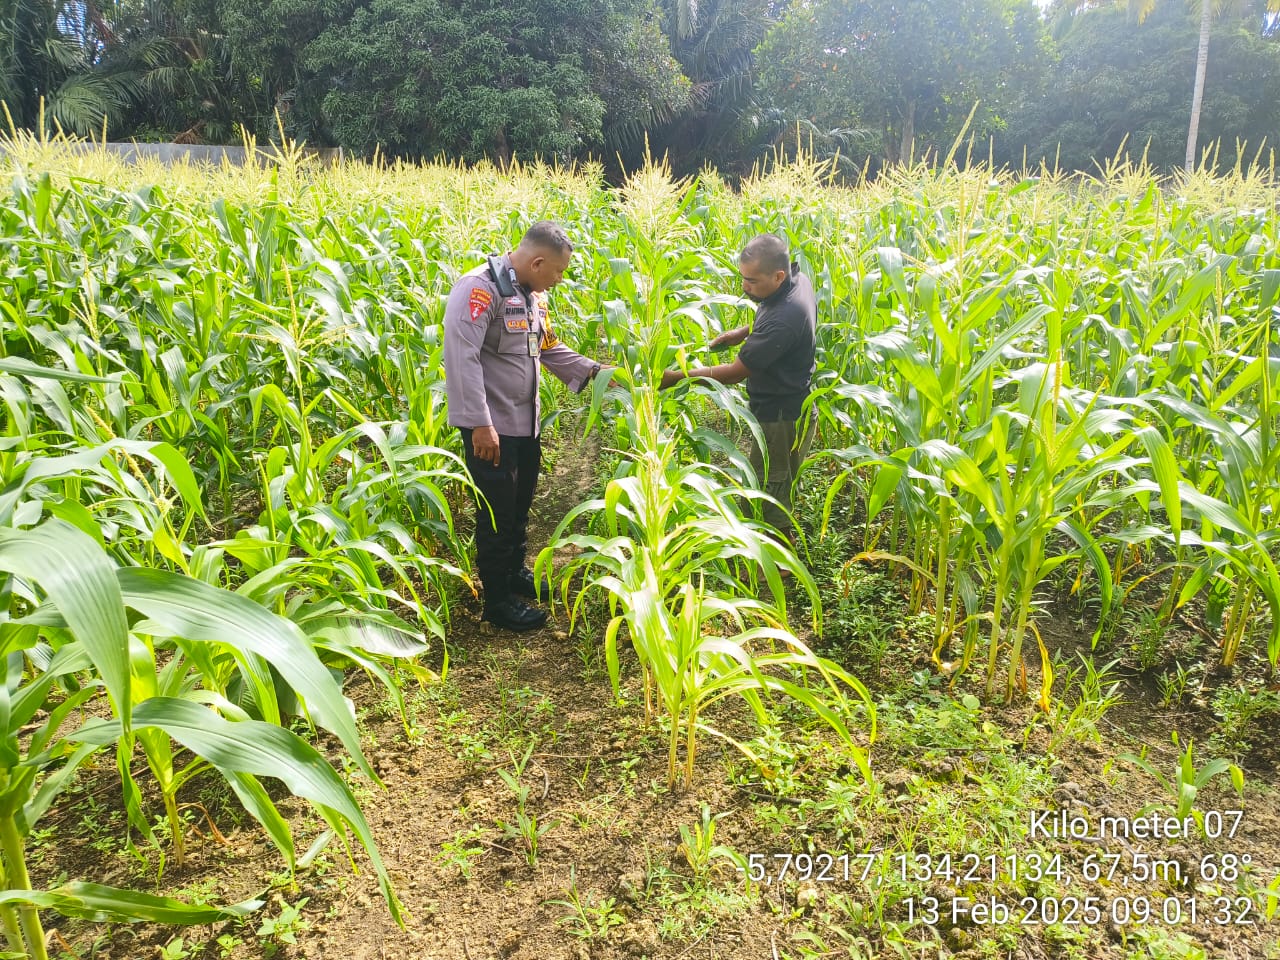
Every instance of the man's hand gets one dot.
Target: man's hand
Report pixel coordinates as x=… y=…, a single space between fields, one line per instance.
x=670 y=378
x=722 y=342
x=730 y=338
x=484 y=442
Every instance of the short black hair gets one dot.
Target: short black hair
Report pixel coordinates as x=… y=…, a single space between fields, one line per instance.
x=768 y=251
x=548 y=235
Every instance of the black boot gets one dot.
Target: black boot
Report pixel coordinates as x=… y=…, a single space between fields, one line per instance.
x=523 y=584
x=510 y=613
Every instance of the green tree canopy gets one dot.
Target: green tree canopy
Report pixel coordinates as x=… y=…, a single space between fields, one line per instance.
x=464 y=78
x=908 y=69
x=712 y=81
x=726 y=122
x=267 y=40
x=1119 y=83
x=49 y=55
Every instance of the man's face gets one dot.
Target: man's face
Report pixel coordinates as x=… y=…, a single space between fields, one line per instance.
x=758 y=284
x=547 y=269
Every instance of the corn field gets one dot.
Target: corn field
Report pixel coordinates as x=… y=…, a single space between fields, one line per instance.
x=227 y=481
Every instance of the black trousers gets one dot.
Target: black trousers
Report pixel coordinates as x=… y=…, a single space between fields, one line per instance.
x=507 y=490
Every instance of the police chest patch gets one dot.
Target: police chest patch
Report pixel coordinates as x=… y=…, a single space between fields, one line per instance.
x=514 y=315
x=479 y=303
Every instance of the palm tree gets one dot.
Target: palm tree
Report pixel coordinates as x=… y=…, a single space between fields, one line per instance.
x=47 y=65
x=713 y=41
x=1207 y=9
x=179 y=59
x=686 y=18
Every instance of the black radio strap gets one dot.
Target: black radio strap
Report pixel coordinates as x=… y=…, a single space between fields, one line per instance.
x=505 y=279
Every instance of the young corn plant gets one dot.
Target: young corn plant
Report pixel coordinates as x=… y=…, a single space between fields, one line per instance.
x=982 y=340
x=66 y=620
x=667 y=560
x=1235 y=502
x=1187 y=780
x=943 y=300
x=996 y=506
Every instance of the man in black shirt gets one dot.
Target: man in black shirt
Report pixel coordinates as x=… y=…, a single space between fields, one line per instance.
x=776 y=360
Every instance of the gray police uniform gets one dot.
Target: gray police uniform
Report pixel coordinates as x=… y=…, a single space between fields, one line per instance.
x=494 y=348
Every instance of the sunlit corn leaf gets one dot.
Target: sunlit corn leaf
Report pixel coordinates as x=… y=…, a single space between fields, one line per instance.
x=257 y=749
x=99 y=903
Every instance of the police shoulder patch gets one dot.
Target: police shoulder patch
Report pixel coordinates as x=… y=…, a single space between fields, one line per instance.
x=479 y=302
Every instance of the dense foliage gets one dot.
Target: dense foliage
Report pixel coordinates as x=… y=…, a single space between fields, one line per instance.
x=908 y=71
x=1115 y=85
x=477 y=79
x=720 y=81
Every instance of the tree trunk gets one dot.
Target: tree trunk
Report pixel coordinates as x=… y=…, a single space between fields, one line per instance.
x=502 y=151
x=1197 y=95
x=686 y=18
x=908 y=134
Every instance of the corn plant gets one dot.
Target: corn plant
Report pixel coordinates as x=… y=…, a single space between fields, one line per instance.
x=669 y=532
x=75 y=619
x=1187 y=780
x=235 y=378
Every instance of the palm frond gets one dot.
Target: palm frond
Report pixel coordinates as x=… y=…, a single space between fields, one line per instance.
x=83 y=102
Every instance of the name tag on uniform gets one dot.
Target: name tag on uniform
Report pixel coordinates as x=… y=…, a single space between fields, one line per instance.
x=535 y=343
x=514 y=316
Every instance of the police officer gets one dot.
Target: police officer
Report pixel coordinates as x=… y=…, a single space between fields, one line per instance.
x=496 y=339
x=777 y=360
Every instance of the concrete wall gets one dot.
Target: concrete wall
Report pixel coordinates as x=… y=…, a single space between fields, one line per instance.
x=200 y=153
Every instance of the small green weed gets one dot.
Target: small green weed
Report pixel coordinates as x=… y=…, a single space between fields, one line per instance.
x=1187 y=780
x=283 y=928
x=1173 y=685
x=525 y=827
x=462 y=851
x=177 y=949
x=1240 y=713
x=1094 y=693
x=698 y=846
x=587 y=920
x=1147 y=631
